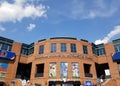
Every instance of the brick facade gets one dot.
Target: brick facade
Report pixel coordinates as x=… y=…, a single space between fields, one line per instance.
x=69 y=57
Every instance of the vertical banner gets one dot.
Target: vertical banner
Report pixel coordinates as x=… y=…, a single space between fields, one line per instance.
x=75 y=70
x=64 y=69
x=52 y=70
x=3 y=69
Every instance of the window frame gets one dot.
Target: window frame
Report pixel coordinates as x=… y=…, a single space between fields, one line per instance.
x=41 y=49
x=53 y=47
x=85 y=49
x=63 y=47
x=73 y=47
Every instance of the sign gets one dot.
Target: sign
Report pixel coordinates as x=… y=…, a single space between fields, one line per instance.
x=88 y=83
x=107 y=72
x=3 y=69
x=81 y=56
x=7 y=55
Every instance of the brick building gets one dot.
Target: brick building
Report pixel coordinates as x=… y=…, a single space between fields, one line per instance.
x=59 y=61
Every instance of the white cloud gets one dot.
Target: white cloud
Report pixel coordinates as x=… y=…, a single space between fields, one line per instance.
x=20 y=9
x=31 y=27
x=2 y=29
x=112 y=33
x=82 y=9
x=20 y=2
x=101 y=8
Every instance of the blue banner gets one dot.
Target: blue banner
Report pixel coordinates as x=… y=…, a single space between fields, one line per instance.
x=7 y=55
x=64 y=69
x=88 y=83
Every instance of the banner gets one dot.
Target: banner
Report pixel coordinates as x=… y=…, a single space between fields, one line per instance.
x=7 y=55
x=52 y=70
x=75 y=70
x=88 y=83
x=3 y=69
x=64 y=69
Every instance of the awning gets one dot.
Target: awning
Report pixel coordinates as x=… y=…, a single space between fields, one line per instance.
x=116 y=56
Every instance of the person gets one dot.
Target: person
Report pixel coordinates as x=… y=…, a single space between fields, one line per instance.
x=28 y=83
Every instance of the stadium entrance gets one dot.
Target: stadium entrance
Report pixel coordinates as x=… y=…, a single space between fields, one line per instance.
x=68 y=83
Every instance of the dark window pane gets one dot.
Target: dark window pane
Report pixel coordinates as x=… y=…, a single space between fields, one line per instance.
x=63 y=47
x=117 y=48
x=24 y=51
x=98 y=49
x=53 y=47
x=0 y=46
x=73 y=47
x=39 y=70
x=5 y=47
x=116 y=45
x=41 y=49
x=85 y=50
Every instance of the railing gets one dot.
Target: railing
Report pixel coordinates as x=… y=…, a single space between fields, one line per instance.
x=39 y=75
x=103 y=80
x=88 y=75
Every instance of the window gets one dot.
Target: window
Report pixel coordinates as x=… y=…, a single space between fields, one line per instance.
x=6 y=47
x=30 y=50
x=53 y=47
x=118 y=63
x=98 y=49
x=87 y=68
x=0 y=46
x=85 y=50
x=63 y=47
x=27 y=49
x=94 y=47
x=24 y=71
x=6 y=44
x=117 y=45
x=73 y=47
x=24 y=51
x=39 y=70
x=117 y=48
x=9 y=48
x=41 y=49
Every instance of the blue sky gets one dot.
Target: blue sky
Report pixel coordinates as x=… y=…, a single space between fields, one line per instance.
x=28 y=21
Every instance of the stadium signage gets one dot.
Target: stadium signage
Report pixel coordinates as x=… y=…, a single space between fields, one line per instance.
x=7 y=55
x=64 y=55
